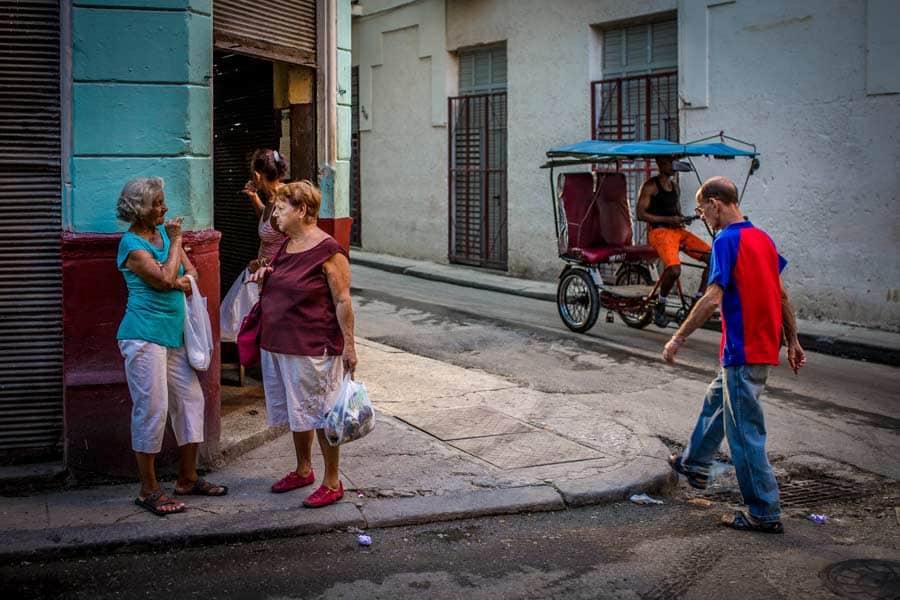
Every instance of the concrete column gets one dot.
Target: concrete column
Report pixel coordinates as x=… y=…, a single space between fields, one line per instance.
x=335 y=118
x=141 y=105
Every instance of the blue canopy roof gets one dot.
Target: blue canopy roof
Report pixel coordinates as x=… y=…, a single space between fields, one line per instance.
x=597 y=149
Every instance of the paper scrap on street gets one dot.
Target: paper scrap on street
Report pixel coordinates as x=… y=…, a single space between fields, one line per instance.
x=645 y=499
x=700 y=502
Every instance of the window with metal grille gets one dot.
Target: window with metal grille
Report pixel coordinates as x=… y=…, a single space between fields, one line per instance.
x=637 y=99
x=482 y=71
x=641 y=48
x=477 y=170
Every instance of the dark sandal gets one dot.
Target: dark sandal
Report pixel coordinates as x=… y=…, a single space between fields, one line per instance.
x=695 y=480
x=155 y=501
x=204 y=488
x=742 y=522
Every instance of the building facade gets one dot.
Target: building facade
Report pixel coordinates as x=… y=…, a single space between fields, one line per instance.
x=458 y=100
x=95 y=92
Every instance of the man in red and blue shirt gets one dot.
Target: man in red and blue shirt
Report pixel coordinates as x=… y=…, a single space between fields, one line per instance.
x=745 y=282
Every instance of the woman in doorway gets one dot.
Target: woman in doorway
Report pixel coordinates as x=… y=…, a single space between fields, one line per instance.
x=151 y=340
x=267 y=168
x=307 y=336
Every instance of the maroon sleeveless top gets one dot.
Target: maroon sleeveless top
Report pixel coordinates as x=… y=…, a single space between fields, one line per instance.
x=298 y=313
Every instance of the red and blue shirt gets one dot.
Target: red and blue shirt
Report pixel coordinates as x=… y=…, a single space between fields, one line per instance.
x=746 y=265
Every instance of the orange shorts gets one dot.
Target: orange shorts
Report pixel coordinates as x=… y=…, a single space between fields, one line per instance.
x=668 y=242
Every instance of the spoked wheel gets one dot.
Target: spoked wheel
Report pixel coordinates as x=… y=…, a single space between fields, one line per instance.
x=635 y=275
x=578 y=300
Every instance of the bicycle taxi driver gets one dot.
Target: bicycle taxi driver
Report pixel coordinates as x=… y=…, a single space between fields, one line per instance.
x=659 y=206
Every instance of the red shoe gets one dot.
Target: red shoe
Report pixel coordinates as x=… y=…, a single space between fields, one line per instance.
x=292 y=481
x=324 y=496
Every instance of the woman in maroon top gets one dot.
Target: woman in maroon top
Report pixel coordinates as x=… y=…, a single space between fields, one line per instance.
x=306 y=335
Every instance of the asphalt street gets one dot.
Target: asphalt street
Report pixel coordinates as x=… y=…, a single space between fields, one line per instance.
x=620 y=551
x=833 y=439
x=838 y=414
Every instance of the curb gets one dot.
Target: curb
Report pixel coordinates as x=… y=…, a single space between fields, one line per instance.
x=415 y=271
x=822 y=344
x=47 y=544
x=235 y=450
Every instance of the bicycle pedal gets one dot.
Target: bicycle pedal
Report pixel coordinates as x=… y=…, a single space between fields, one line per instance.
x=609 y=317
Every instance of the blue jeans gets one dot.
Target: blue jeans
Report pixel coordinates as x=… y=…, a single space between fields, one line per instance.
x=732 y=409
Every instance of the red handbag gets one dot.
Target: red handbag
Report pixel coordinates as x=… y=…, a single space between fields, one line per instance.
x=248 y=337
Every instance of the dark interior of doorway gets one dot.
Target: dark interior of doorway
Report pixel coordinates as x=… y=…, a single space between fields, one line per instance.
x=243 y=120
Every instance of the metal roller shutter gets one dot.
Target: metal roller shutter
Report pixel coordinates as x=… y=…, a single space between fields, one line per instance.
x=31 y=386
x=243 y=121
x=275 y=29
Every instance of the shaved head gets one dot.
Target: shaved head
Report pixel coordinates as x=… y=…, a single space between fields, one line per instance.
x=720 y=188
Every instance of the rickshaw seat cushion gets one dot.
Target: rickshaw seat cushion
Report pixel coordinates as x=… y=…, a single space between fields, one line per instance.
x=599 y=254
x=581 y=219
x=598 y=223
x=645 y=252
x=613 y=211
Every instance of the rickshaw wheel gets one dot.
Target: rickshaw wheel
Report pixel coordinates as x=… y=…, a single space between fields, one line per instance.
x=578 y=300
x=635 y=275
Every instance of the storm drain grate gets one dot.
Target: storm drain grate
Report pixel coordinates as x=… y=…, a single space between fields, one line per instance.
x=808 y=493
x=864 y=579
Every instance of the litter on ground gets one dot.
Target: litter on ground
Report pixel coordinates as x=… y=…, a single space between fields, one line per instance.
x=645 y=499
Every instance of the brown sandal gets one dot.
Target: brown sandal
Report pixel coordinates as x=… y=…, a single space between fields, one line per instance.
x=155 y=501
x=202 y=487
x=742 y=522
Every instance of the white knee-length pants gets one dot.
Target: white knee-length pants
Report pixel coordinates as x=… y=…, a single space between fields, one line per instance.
x=300 y=390
x=162 y=383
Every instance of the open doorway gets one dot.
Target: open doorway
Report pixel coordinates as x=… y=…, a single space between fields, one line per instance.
x=257 y=104
x=244 y=119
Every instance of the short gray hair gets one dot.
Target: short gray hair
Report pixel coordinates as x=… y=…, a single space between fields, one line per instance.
x=136 y=198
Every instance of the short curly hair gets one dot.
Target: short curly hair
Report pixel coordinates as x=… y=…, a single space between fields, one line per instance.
x=136 y=198
x=302 y=193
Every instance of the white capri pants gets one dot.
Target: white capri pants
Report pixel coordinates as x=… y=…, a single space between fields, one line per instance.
x=300 y=390
x=161 y=382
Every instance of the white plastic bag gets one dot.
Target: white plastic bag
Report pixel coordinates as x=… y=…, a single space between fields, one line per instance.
x=198 y=338
x=237 y=303
x=352 y=416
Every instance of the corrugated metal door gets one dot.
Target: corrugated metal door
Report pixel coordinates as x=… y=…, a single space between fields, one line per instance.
x=31 y=390
x=275 y=29
x=477 y=155
x=243 y=121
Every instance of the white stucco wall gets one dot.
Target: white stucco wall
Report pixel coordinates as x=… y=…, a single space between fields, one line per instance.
x=549 y=49
x=400 y=50
x=550 y=62
x=791 y=77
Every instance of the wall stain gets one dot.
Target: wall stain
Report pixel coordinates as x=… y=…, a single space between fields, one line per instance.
x=777 y=24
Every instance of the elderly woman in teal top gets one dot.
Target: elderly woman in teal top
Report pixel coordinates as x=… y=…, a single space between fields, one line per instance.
x=151 y=340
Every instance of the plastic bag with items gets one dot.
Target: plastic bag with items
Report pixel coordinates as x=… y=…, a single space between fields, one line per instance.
x=198 y=337
x=235 y=306
x=352 y=416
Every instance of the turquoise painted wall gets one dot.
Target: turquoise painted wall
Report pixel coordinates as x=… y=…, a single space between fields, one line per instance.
x=341 y=205
x=141 y=106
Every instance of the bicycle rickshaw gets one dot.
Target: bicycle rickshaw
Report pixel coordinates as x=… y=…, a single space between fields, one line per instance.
x=594 y=228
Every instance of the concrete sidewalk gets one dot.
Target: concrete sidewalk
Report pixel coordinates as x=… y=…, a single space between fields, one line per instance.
x=449 y=443
x=847 y=341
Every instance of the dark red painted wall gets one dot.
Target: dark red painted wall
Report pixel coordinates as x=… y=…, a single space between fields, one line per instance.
x=97 y=403
x=339 y=229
